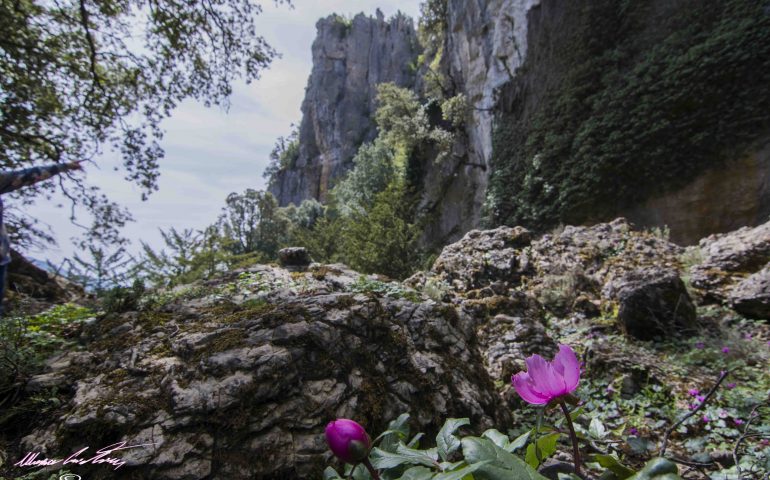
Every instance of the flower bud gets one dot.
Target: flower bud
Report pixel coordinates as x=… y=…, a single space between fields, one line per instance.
x=348 y=440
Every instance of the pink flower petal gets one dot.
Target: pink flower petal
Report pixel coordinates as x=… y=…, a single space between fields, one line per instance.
x=524 y=386
x=567 y=365
x=537 y=368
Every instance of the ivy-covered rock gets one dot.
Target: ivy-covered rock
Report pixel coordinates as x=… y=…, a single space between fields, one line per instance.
x=620 y=102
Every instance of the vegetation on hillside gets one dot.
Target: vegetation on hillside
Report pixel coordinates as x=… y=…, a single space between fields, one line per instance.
x=632 y=107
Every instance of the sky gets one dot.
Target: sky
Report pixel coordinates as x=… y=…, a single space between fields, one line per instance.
x=211 y=152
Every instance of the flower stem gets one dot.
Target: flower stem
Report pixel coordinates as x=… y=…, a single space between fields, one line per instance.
x=372 y=471
x=573 y=437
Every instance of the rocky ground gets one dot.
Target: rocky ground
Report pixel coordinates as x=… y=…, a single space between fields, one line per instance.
x=236 y=377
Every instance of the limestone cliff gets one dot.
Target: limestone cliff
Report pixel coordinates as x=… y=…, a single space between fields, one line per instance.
x=350 y=58
x=656 y=111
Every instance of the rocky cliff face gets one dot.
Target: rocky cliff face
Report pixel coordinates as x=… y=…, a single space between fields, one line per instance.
x=563 y=129
x=723 y=198
x=486 y=42
x=349 y=60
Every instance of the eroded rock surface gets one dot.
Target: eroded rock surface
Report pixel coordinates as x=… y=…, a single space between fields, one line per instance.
x=732 y=269
x=237 y=379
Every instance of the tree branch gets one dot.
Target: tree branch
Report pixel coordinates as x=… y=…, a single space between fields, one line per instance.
x=91 y=44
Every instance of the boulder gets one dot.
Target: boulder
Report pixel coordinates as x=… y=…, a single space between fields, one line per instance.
x=751 y=296
x=726 y=260
x=506 y=340
x=483 y=257
x=27 y=279
x=242 y=386
x=652 y=302
x=294 y=258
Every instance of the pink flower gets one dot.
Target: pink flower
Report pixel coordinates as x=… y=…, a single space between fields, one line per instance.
x=543 y=381
x=693 y=391
x=731 y=385
x=699 y=345
x=765 y=442
x=633 y=431
x=738 y=421
x=700 y=398
x=723 y=414
x=706 y=419
x=725 y=350
x=347 y=440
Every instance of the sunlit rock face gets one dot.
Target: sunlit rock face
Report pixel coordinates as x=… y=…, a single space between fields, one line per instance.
x=350 y=58
x=486 y=44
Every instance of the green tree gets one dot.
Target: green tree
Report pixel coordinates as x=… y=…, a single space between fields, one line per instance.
x=283 y=156
x=77 y=76
x=101 y=269
x=323 y=241
x=252 y=222
x=405 y=125
x=431 y=32
x=171 y=268
x=373 y=170
x=383 y=239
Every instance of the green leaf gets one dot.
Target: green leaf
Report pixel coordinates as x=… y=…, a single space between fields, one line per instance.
x=498 y=438
x=613 y=464
x=446 y=441
x=356 y=472
x=449 y=466
x=568 y=476
x=461 y=473
x=331 y=474
x=415 y=441
x=503 y=465
x=404 y=455
x=398 y=430
x=639 y=445
x=596 y=429
x=546 y=446
x=574 y=414
x=417 y=473
x=520 y=442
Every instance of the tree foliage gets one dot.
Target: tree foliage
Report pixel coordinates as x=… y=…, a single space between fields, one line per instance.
x=101 y=269
x=283 y=156
x=251 y=222
x=374 y=169
x=383 y=239
x=77 y=76
x=172 y=266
